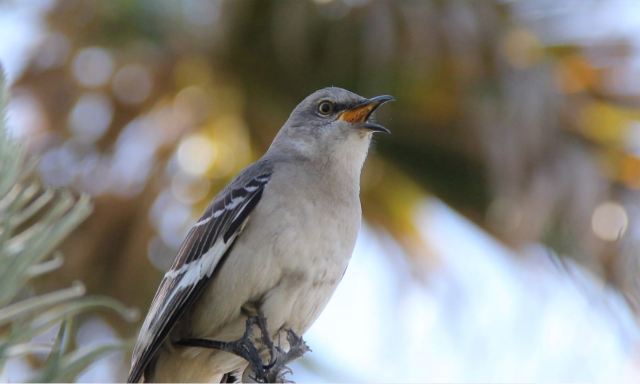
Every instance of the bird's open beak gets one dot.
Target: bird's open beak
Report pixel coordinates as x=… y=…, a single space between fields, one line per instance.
x=360 y=113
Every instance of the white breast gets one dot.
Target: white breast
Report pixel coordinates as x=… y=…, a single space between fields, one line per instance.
x=311 y=247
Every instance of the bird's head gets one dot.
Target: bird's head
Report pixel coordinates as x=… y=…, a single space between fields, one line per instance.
x=331 y=124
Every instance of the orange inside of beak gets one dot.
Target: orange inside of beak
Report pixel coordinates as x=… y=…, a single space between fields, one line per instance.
x=358 y=114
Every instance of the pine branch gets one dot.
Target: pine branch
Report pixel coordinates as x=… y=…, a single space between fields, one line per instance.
x=34 y=220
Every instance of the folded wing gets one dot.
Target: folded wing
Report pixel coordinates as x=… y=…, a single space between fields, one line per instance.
x=204 y=247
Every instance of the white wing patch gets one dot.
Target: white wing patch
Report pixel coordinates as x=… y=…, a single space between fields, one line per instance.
x=202 y=222
x=194 y=271
x=219 y=213
x=234 y=202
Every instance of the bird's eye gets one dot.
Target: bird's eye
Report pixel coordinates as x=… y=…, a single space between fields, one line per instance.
x=325 y=108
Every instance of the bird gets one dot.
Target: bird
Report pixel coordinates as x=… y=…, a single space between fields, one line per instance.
x=275 y=241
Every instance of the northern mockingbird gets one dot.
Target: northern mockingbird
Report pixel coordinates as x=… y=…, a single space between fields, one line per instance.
x=276 y=240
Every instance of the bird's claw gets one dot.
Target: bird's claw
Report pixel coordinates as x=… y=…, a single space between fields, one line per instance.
x=276 y=371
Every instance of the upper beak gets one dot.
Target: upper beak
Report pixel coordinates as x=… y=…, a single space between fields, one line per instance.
x=361 y=112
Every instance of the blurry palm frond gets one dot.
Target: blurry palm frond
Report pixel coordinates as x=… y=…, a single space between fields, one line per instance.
x=33 y=222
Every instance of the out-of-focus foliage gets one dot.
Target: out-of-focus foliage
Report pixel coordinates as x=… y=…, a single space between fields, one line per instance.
x=152 y=106
x=33 y=222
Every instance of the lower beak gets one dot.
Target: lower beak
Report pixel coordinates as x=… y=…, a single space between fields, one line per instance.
x=360 y=113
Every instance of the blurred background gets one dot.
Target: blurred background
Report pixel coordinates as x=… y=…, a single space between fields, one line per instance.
x=500 y=240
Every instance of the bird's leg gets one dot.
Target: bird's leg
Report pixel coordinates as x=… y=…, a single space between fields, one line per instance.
x=243 y=347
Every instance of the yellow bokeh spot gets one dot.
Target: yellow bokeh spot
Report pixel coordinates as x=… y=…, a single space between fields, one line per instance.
x=606 y=123
x=196 y=154
x=232 y=135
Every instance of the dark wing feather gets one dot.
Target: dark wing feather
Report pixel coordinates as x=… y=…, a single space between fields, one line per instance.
x=205 y=245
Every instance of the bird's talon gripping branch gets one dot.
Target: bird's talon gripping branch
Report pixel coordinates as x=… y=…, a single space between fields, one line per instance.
x=278 y=370
x=246 y=347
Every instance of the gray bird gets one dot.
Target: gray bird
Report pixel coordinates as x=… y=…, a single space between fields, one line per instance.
x=277 y=239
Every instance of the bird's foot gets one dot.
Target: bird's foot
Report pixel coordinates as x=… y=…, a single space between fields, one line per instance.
x=245 y=347
x=278 y=369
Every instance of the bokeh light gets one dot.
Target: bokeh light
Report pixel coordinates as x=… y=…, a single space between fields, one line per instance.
x=90 y=117
x=93 y=66
x=196 y=154
x=609 y=221
x=132 y=84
